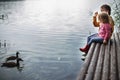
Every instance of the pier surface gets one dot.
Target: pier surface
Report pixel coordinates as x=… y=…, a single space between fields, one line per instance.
x=102 y=61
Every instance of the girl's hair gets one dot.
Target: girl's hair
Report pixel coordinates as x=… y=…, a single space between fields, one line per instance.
x=103 y=17
x=106 y=7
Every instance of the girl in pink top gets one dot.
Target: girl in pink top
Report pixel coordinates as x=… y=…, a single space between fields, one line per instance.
x=103 y=35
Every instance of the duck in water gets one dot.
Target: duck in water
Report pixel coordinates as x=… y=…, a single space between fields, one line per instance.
x=12 y=64
x=13 y=57
x=2 y=17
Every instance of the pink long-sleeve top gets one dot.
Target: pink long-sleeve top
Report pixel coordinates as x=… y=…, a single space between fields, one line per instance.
x=105 y=31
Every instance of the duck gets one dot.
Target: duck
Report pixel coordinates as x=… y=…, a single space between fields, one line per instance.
x=12 y=64
x=13 y=57
x=2 y=16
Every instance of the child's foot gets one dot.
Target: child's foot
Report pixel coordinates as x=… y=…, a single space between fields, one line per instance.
x=85 y=54
x=84 y=50
x=83 y=58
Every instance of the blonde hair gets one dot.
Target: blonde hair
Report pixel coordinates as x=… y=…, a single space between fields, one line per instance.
x=103 y=17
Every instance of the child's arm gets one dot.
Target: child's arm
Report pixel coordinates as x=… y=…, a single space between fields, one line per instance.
x=95 y=23
x=112 y=23
x=107 y=34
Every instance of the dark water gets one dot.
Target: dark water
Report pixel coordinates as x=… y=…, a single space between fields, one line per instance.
x=48 y=34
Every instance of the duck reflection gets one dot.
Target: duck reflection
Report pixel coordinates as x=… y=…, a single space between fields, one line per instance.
x=13 y=64
x=13 y=61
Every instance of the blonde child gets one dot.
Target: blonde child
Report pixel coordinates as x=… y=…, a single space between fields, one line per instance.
x=103 y=34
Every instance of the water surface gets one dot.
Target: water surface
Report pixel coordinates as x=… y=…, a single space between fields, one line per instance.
x=48 y=34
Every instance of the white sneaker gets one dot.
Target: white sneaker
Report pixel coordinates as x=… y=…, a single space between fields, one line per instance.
x=83 y=58
x=84 y=54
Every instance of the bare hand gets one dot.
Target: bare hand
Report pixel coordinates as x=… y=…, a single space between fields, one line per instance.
x=104 y=42
x=96 y=13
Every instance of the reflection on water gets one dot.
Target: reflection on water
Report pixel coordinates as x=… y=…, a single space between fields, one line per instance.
x=13 y=64
x=48 y=34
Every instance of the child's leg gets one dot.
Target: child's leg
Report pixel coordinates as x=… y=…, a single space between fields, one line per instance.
x=91 y=36
x=95 y=39
x=86 y=48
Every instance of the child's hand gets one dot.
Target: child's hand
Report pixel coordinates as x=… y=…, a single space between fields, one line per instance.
x=96 y=13
x=104 y=42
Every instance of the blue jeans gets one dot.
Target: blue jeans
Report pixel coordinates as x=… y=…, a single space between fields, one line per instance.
x=94 y=38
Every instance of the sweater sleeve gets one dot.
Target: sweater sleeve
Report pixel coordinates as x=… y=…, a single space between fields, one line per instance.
x=108 y=32
x=112 y=23
x=95 y=23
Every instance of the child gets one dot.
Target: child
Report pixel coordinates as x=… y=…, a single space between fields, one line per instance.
x=104 y=33
x=104 y=8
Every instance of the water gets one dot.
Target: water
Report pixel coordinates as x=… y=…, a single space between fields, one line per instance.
x=48 y=34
